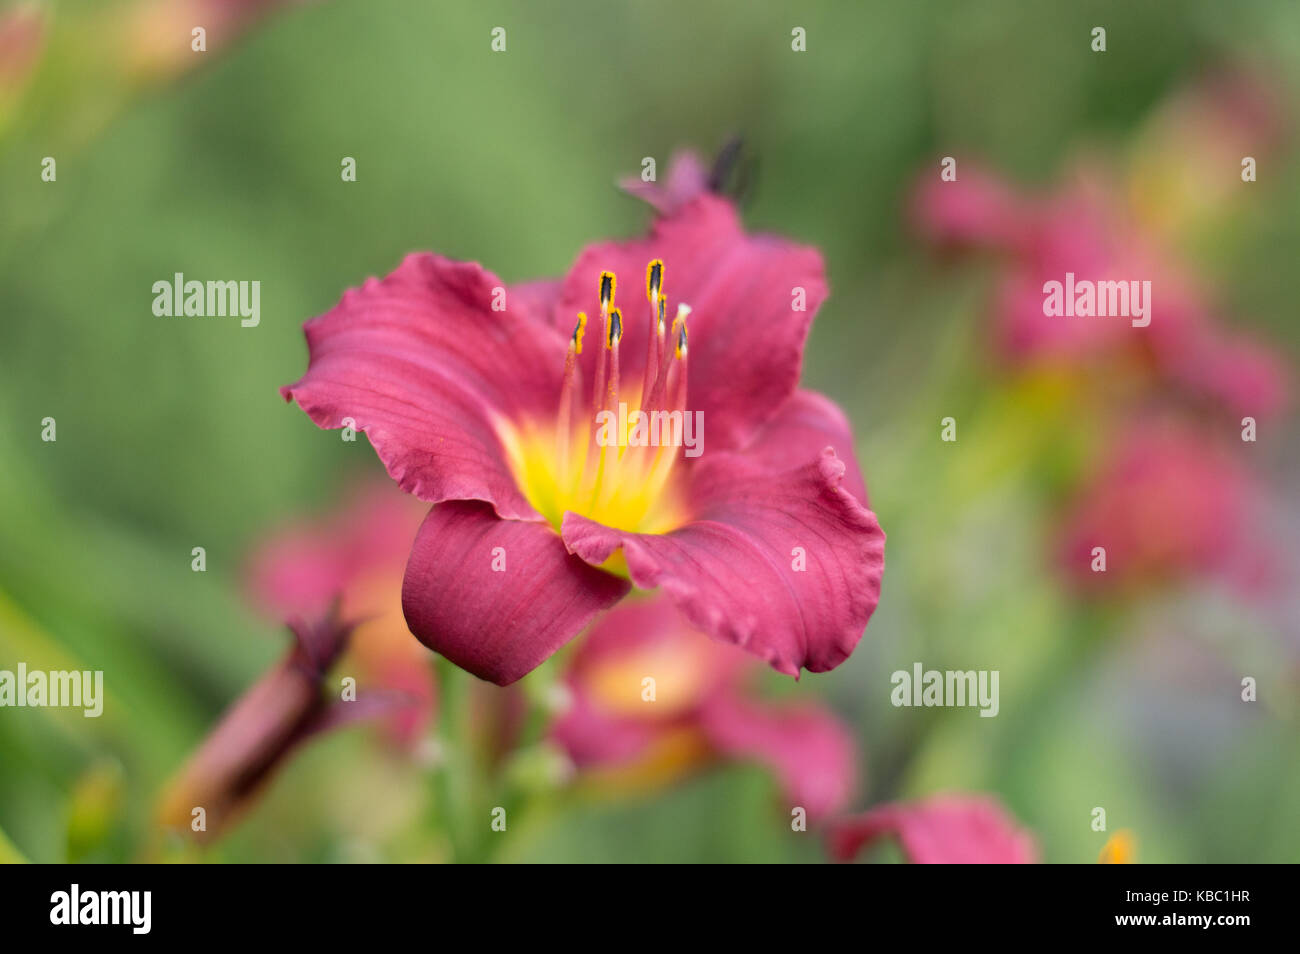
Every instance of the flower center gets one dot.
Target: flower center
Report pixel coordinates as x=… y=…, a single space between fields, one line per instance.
x=683 y=666
x=610 y=453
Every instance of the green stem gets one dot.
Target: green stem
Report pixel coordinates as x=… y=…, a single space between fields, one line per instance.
x=451 y=785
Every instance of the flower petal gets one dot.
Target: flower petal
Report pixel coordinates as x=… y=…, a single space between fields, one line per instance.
x=947 y=829
x=536 y=299
x=735 y=570
x=592 y=736
x=1165 y=501
x=424 y=365
x=1244 y=377
x=687 y=178
x=648 y=637
x=811 y=753
x=301 y=569
x=498 y=624
x=746 y=339
x=806 y=425
x=976 y=209
x=611 y=720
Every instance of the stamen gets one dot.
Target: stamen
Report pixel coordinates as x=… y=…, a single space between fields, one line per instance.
x=615 y=336
x=598 y=391
x=654 y=282
x=661 y=390
x=570 y=394
x=579 y=330
x=615 y=328
x=673 y=388
x=676 y=382
x=602 y=487
x=654 y=276
x=607 y=283
x=600 y=469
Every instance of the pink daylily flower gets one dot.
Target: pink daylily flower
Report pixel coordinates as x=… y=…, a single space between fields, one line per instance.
x=1164 y=503
x=1080 y=229
x=485 y=401
x=356 y=559
x=701 y=710
x=941 y=830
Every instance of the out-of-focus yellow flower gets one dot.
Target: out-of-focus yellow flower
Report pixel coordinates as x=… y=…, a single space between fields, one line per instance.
x=1185 y=174
x=1120 y=849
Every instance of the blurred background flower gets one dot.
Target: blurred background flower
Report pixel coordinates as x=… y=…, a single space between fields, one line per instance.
x=22 y=40
x=944 y=829
x=650 y=698
x=355 y=557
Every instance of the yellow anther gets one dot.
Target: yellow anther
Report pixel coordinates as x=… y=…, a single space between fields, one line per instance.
x=663 y=305
x=679 y=329
x=579 y=330
x=615 y=327
x=607 y=283
x=654 y=280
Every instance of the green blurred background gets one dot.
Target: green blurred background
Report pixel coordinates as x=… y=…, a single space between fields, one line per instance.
x=171 y=434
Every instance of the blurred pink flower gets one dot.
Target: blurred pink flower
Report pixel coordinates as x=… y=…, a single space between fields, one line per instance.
x=357 y=558
x=483 y=401
x=701 y=710
x=1080 y=229
x=977 y=210
x=156 y=36
x=22 y=38
x=1165 y=502
x=945 y=829
x=687 y=179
